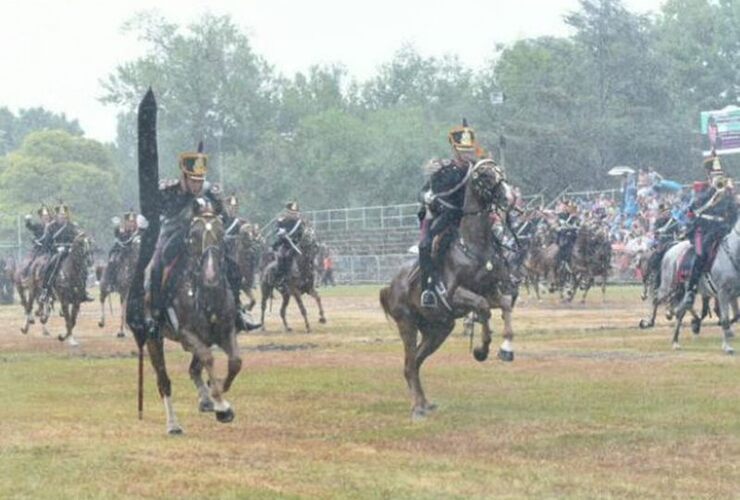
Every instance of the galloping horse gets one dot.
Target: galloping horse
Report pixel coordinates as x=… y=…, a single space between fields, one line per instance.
x=201 y=316
x=69 y=285
x=722 y=282
x=301 y=279
x=248 y=250
x=471 y=275
x=121 y=282
x=29 y=285
x=592 y=256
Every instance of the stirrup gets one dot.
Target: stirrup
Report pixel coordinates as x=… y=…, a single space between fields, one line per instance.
x=428 y=299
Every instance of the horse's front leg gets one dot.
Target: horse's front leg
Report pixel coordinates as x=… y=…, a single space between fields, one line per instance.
x=224 y=412
x=231 y=348
x=468 y=300
x=121 y=332
x=506 y=351
x=283 y=310
x=302 y=309
x=315 y=294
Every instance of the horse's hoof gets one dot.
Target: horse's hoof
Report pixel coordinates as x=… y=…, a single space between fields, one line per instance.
x=418 y=415
x=644 y=324
x=480 y=354
x=322 y=321
x=730 y=351
x=205 y=406
x=676 y=346
x=225 y=416
x=288 y=329
x=507 y=356
x=101 y=324
x=120 y=335
x=431 y=407
x=32 y=321
x=175 y=431
x=24 y=331
x=60 y=338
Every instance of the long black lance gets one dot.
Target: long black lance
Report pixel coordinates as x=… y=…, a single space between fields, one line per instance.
x=150 y=209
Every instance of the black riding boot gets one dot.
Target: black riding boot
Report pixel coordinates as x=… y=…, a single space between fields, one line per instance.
x=243 y=320
x=690 y=295
x=426 y=268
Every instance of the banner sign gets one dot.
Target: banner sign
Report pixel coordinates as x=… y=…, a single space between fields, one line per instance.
x=721 y=131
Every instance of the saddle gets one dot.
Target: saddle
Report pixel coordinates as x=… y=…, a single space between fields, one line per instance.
x=686 y=263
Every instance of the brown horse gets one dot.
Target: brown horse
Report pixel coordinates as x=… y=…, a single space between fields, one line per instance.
x=69 y=285
x=29 y=285
x=301 y=280
x=201 y=316
x=471 y=276
x=540 y=261
x=592 y=258
x=121 y=282
x=247 y=252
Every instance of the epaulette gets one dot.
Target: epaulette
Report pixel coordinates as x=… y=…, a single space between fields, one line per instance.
x=168 y=183
x=215 y=188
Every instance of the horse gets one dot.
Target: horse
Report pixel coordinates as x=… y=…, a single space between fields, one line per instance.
x=722 y=282
x=539 y=262
x=69 y=285
x=29 y=285
x=121 y=281
x=201 y=316
x=301 y=279
x=471 y=280
x=592 y=256
x=247 y=253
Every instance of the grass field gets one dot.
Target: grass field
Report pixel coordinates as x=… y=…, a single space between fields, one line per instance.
x=592 y=407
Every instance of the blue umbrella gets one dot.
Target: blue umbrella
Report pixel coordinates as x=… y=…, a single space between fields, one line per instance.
x=666 y=186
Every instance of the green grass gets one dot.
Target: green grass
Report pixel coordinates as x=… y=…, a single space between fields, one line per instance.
x=583 y=412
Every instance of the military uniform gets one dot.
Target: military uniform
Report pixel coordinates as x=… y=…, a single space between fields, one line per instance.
x=290 y=228
x=443 y=198
x=58 y=238
x=665 y=231
x=567 y=233
x=39 y=230
x=712 y=215
x=232 y=226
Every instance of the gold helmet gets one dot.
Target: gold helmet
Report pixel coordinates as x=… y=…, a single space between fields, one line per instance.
x=232 y=201
x=462 y=139
x=292 y=206
x=129 y=216
x=43 y=210
x=194 y=165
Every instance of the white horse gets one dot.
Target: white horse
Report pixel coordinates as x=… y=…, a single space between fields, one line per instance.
x=722 y=282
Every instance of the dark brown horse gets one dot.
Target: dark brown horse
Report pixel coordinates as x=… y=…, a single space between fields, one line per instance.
x=592 y=258
x=471 y=275
x=247 y=250
x=119 y=280
x=69 y=285
x=301 y=280
x=201 y=316
x=29 y=285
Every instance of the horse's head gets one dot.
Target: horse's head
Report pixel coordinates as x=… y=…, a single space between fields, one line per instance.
x=81 y=249
x=205 y=243
x=489 y=185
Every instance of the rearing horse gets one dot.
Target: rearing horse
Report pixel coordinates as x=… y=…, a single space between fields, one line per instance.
x=202 y=315
x=472 y=273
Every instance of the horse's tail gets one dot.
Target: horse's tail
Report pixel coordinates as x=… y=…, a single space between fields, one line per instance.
x=385 y=293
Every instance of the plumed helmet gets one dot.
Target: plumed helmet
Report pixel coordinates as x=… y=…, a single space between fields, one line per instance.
x=129 y=216
x=292 y=206
x=232 y=201
x=43 y=210
x=194 y=165
x=462 y=138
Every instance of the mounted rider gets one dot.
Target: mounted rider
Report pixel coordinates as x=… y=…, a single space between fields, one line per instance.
x=665 y=233
x=290 y=229
x=566 y=233
x=443 y=196
x=39 y=230
x=232 y=225
x=58 y=239
x=712 y=215
x=124 y=233
x=179 y=200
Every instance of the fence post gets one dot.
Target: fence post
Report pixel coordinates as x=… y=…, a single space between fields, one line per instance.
x=20 y=240
x=351 y=269
x=377 y=269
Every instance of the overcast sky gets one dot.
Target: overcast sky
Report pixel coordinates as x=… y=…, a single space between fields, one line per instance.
x=54 y=52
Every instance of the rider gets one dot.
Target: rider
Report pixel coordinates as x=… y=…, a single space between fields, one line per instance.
x=290 y=228
x=443 y=196
x=39 y=230
x=123 y=233
x=59 y=237
x=567 y=232
x=177 y=199
x=665 y=232
x=712 y=215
